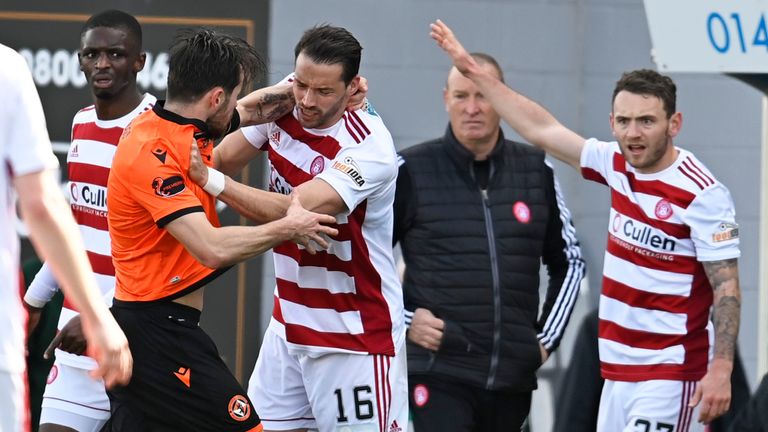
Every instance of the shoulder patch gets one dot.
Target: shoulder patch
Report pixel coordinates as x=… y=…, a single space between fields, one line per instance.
x=726 y=231
x=349 y=167
x=168 y=187
x=368 y=107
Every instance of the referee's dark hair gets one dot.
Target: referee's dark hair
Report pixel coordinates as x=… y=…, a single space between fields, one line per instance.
x=201 y=59
x=325 y=44
x=115 y=19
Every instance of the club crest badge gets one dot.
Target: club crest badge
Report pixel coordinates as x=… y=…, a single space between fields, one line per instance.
x=663 y=209
x=522 y=212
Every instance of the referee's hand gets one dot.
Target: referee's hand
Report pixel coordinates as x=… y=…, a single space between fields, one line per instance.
x=426 y=329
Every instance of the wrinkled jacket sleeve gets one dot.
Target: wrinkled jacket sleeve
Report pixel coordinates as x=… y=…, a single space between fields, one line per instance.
x=565 y=266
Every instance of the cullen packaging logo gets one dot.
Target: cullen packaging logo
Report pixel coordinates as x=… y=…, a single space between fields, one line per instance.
x=90 y=195
x=642 y=234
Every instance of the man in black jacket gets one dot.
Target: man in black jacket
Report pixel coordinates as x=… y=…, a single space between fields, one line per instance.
x=475 y=215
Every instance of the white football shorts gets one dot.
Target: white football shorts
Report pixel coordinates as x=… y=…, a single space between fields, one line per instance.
x=73 y=399
x=330 y=392
x=648 y=406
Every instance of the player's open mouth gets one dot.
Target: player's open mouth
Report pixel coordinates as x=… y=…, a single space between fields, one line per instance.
x=102 y=82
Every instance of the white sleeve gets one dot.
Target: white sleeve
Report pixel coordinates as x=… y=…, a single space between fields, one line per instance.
x=288 y=78
x=714 y=231
x=257 y=135
x=597 y=160
x=28 y=148
x=359 y=171
x=42 y=289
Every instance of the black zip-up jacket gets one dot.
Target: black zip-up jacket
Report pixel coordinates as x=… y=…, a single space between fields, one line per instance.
x=473 y=257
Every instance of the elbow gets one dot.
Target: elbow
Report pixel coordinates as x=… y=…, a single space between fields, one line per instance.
x=213 y=257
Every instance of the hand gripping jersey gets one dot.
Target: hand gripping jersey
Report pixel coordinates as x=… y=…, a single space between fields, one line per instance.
x=656 y=299
x=347 y=298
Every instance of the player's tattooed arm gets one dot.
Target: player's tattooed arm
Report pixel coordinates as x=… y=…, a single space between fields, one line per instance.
x=266 y=105
x=724 y=278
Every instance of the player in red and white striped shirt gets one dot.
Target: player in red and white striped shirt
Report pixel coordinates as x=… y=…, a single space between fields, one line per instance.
x=333 y=355
x=110 y=56
x=672 y=252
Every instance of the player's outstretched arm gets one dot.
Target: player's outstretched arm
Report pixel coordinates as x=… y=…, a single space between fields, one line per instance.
x=714 y=390
x=256 y=204
x=57 y=240
x=221 y=247
x=529 y=119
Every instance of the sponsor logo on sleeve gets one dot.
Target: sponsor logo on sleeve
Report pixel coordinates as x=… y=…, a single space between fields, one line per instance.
x=726 y=231
x=168 y=187
x=368 y=107
x=349 y=167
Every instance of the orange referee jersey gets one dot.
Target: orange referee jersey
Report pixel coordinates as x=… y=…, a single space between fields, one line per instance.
x=148 y=188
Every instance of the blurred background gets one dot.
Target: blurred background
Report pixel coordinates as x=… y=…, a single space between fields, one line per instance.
x=565 y=54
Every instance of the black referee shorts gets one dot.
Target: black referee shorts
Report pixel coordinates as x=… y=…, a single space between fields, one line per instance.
x=179 y=382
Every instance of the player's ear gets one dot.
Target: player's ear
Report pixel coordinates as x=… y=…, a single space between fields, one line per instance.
x=354 y=85
x=675 y=124
x=216 y=97
x=141 y=60
x=611 y=120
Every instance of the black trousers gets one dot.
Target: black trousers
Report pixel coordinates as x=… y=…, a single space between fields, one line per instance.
x=444 y=404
